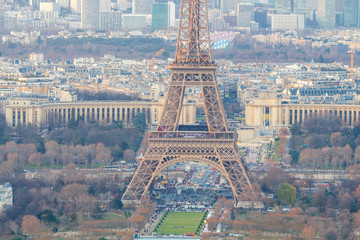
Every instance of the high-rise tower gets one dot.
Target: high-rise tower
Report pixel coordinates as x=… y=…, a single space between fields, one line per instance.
x=326 y=14
x=193 y=66
x=90 y=14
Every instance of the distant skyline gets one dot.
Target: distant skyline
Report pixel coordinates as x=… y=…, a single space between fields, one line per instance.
x=127 y=15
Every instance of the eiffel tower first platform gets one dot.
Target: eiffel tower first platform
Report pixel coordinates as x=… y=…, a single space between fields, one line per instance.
x=193 y=67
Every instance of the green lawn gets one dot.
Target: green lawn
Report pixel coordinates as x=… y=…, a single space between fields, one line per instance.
x=179 y=223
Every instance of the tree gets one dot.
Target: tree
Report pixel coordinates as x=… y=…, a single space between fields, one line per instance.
x=319 y=200
x=309 y=231
x=116 y=204
x=139 y=122
x=40 y=147
x=357 y=193
x=129 y=155
x=72 y=191
x=274 y=178
x=295 y=154
x=322 y=124
x=281 y=151
x=48 y=217
x=286 y=193
x=295 y=129
x=31 y=225
x=315 y=141
x=35 y=159
x=337 y=139
x=283 y=133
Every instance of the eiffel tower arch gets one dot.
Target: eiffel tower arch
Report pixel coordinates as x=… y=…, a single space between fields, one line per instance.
x=193 y=66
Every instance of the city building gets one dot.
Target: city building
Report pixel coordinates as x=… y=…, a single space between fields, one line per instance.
x=351 y=8
x=49 y=7
x=261 y=17
x=326 y=14
x=105 y=5
x=270 y=110
x=134 y=21
x=163 y=15
x=90 y=14
x=24 y=111
x=122 y=5
x=245 y=14
x=284 y=6
x=75 y=6
x=34 y=3
x=227 y=6
x=110 y=20
x=63 y=3
x=300 y=7
x=287 y=22
x=6 y=196
x=36 y=57
x=142 y=6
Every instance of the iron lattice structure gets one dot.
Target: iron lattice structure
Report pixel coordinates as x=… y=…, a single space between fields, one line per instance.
x=193 y=66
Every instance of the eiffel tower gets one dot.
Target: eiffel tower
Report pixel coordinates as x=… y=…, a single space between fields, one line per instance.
x=193 y=66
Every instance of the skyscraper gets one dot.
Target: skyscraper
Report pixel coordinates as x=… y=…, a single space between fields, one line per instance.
x=63 y=3
x=110 y=20
x=327 y=14
x=142 y=6
x=245 y=14
x=163 y=15
x=122 y=5
x=351 y=13
x=1 y=18
x=90 y=14
x=105 y=5
x=284 y=6
x=300 y=7
x=75 y=6
x=228 y=5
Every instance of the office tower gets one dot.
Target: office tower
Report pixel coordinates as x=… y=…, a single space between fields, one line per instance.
x=228 y=5
x=284 y=6
x=300 y=7
x=358 y=23
x=163 y=15
x=260 y=16
x=326 y=14
x=110 y=21
x=287 y=22
x=142 y=6
x=351 y=13
x=90 y=14
x=216 y=4
x=122 y=5
x=134 y=21
x=105 y=5
x=245 y=14
x=75 y=6
x=1 y=18
x=312 y=6
x=62 y=3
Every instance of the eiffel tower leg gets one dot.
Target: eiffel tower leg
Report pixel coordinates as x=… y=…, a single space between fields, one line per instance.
x=140 y=181
x=171 y=114
x=144 y=175
x=237 y=174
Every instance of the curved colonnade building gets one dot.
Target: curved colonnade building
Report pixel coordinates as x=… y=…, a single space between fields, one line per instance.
x=25 y=112
x=270 y=110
